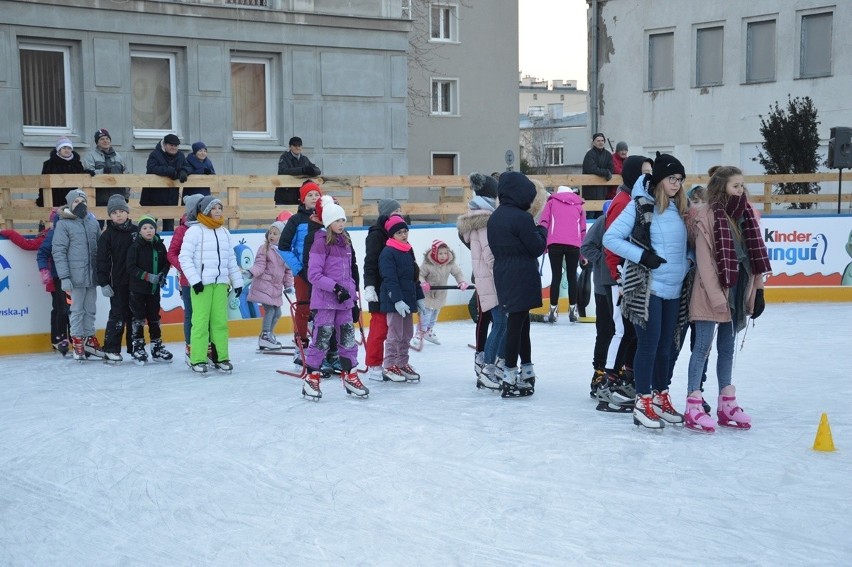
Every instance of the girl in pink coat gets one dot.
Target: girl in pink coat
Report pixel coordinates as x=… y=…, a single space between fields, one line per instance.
x=565 y=220
x=271 y=277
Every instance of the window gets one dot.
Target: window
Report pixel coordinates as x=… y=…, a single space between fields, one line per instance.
x=553 y=154
x=661 y=61
x=152 y=76
x=45 y=89
x=708 y=57
x=250 y=98
x=760 y=51
x=443 y=23
x=445 y=97
x=815 y=58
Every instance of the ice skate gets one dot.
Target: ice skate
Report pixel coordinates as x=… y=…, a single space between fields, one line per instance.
x=644 y=414
x=664 y=408
x=267 y=342
x=572 y=314
x=78 y=349
x=199 y=367
x=311 y=386
x=478 y=362
x=139 y=355
x=696 y=419
x=93 y=348
x=509 y=384
x=553 y=316
x=353 y=385
x=112 y=358
x=526 y=379
x=417 y=340
x=159 y=352
x=611 y=397
x=627 y=385
x=187 y=358
x=61 y=346
x=375 y=373
x=730 y=414
x=223 y=366
x=598 y=378
x=431 y=336
x=393 y=374
x=488 y=378
x=410 y=374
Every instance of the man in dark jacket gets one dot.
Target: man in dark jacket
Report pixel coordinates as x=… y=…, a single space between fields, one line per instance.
x=293 y=162
x=167 y=161
x=598 y=161
x=63 y=159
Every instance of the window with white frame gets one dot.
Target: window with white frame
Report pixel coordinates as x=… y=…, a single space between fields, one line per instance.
x=45 y=88
x=815 y=57
x=660 y=61
x=708 y=56
x=553 y=154
x=251 y=111
x=153 y=93
x=443 y=22
x=760 y=51
x=445 y=96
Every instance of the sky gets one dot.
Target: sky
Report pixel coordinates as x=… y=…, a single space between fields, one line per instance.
x=552 y=39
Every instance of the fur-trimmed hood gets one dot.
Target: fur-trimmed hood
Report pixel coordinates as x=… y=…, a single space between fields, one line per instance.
x=540 y=199
x=472 y=220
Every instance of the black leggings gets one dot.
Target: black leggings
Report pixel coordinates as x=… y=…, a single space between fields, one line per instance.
x=483 y=324
x=518 y=339
x=571 y=256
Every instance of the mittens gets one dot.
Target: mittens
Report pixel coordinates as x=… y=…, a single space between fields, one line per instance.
x=402 y=308
x=370 y=294
x=66 y=285
x=153 y=279
x=107 y=291
x=425 y=286
x=341 y=293
x=463 y=286
x=182 y=176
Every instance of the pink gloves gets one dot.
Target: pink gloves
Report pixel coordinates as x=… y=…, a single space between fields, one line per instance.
x=426 y=287
x=463 y=286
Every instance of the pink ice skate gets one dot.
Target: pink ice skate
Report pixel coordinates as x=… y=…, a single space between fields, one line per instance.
x=732 y=415
x=696 y=419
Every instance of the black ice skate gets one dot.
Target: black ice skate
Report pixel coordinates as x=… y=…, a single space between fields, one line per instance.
x=139 y=355
x=159 y=352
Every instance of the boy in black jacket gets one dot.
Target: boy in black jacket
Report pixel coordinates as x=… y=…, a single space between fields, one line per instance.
x=113 y=244
x=147 y=267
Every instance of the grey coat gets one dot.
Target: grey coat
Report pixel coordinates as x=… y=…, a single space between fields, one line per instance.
x=75 y=249
x=593 y=251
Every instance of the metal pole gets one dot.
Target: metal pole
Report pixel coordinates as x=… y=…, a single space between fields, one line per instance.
x=839 y=187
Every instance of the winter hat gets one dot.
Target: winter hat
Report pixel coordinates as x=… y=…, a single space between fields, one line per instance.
x=207 y=203
x=295 y=141
x=437 y=244
x=147 y=219
x=564 y=189
x=330 y=211
x=279 y=225
x=284 y=216
x=62 y=142
x=191 y=202
x=101 y=133
x=483 y=185
x=117 y=203
x=597 y=135
x=306 y=188
x=621 y=146
x=664 y=166
x=171 y=139
x=394 y=224
x=631 y=171
x=198 y=146
x=387 y=207
x=73 y=194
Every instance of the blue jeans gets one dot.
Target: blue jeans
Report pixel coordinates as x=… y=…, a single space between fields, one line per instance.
x=497 y=336
x=186 y=296
x=654 y=346
x=725 y=338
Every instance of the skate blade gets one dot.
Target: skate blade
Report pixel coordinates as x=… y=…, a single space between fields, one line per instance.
x=699 y=429
x=611 y=408
x=735 y=426
x=161 y=361
x=639 y=425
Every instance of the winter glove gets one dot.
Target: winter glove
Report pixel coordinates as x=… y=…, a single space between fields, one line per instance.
x=91 y=172
x=198 y=288
x=238 y=291
x=341 y=293
x=107 y=291
x=425 y=286
x=313 y=171
x=421 y=305
x=290 y=291
x=356 y=313
x=370 y=294
x=46 y=278
x=176 y=174
x=163 y=280
x=402 y=308
x=608 y=176
x=759 y=304
x=463 y=286
x=66 y=285
x=152 y=278
x=208 y=171
x=182 y=176
x=306 y=170
x=651 y=260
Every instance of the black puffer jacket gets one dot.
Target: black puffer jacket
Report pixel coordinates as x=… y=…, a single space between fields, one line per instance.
x=146 y=257
x=376 y=241
x=56 y=165
x=597 y=162
x=162 y=164
x=516 y=243
x=113 y=244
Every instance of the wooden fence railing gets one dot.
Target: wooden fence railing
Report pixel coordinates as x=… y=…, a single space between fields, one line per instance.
x=249 y=202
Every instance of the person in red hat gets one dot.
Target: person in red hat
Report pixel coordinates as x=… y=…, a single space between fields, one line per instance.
x=438 y=263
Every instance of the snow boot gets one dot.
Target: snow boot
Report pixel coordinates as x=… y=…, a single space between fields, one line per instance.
x=488 y=378
x=159 y=352
x=644 y=414
x=695 y=418
x=267 y=342
x=311 y=385
x=553 y=316
x=353 y=385
x=730 y=414
x=93 y=347
x=410 y=374
x=139 y=355
x=664 y=408
x=78 y=348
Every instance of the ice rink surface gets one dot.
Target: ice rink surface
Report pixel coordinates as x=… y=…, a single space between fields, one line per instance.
x=150 y=465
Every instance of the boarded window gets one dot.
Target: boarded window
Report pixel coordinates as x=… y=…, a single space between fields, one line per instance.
x=661 y=61
x=708 y=57
x=249 y=96
x=816 y=45
x=760 y=51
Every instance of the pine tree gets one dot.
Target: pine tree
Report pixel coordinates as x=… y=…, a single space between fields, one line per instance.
x=791 y=145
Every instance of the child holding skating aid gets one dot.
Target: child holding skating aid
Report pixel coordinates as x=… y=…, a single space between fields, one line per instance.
x=270 y=276
x=187 y=220
x=438 y=263
x=333 y=275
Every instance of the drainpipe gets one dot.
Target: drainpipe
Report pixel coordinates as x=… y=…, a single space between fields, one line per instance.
x=593 y=69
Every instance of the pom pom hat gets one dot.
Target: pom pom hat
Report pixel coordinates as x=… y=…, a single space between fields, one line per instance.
x=394 y=224
x=330 y=211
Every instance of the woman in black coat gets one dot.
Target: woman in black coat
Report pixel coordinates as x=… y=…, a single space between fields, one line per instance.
x=63 y=159
x=516 y=243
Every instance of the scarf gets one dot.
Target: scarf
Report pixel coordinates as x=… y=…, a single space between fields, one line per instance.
x=209 y=222
x=398 y=245
x=726 y=254
x=636 y=279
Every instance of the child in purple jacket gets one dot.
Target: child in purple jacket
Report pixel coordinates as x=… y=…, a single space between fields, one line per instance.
x=333 y=275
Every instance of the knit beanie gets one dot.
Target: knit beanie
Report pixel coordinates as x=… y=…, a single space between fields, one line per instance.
x=191 y=203
x=284 y=216
x=73 y=194
x=664 y=166
x=388 y=206
x=207 y=203
x=394 y=224
x=198 y=146
x=306 y=188
x=102 y=133
x=62 y=142
x=483 y=185
x=330 y=211
x=147 y=219
x=117 y=203
x=279 y=225
x=437 y=245
x=621 y=146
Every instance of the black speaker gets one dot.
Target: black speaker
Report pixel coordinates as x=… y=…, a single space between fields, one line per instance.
x=840 y=148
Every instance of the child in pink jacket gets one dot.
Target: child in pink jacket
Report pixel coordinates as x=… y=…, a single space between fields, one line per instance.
x=565 y=220
x=271 y=276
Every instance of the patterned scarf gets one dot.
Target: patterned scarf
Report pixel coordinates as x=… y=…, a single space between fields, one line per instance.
x=636 y=279
x=726 y=254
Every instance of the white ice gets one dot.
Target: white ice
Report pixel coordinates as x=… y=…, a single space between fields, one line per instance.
x=155 y=465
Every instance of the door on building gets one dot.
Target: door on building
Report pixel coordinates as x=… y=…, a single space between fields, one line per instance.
x=446 y=164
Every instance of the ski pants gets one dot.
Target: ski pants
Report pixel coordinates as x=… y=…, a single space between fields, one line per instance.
x=302 y=310
x=145 y=307
x=400 y=331
x=375 y=354
x=119 y=320
x=82 y=314
x=58 y=313
x=330 y=323
x=209 y=322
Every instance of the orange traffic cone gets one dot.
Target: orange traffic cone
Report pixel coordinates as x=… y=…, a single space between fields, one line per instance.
x=823 y=441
